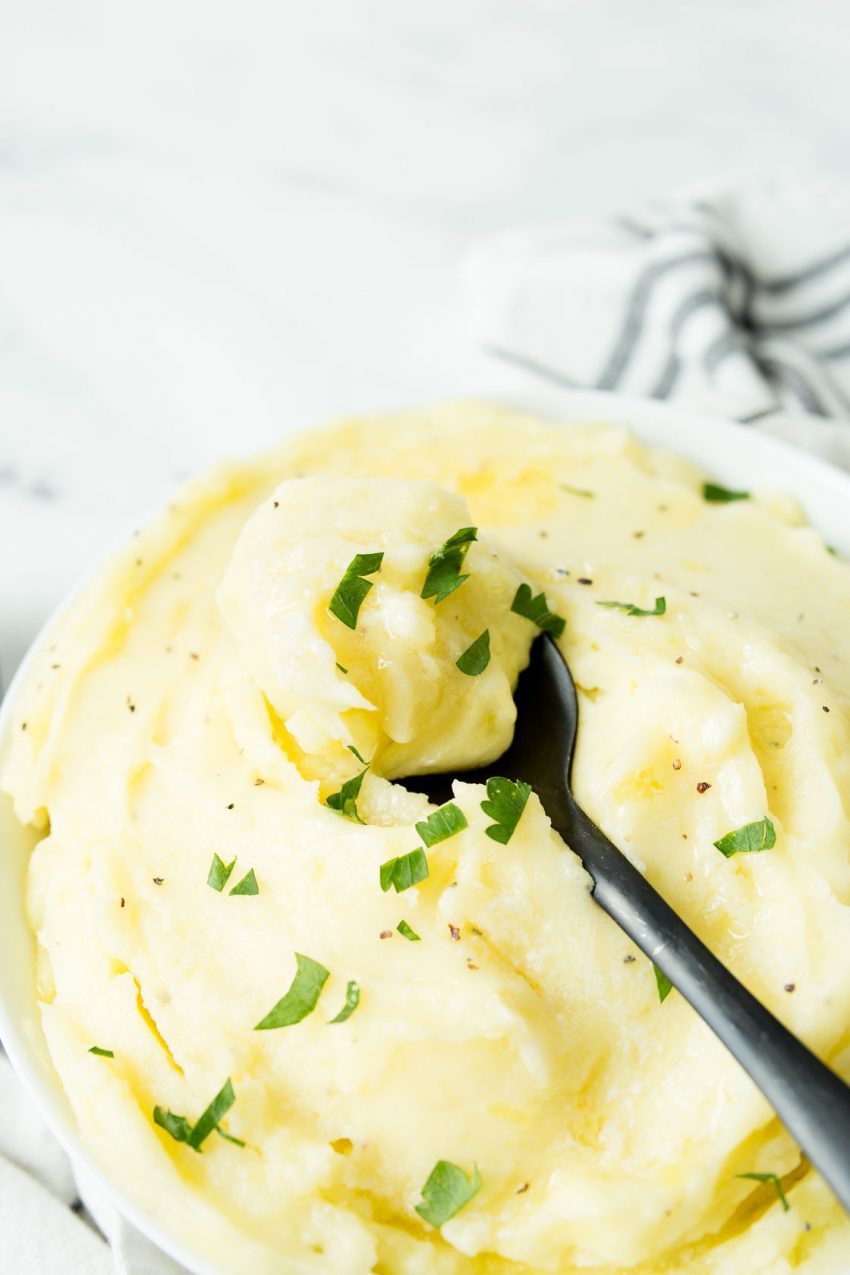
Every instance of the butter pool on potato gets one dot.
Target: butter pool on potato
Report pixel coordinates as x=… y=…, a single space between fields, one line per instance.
x=192 y=703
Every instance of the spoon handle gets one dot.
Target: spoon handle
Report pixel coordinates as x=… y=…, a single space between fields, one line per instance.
x=812 y=1102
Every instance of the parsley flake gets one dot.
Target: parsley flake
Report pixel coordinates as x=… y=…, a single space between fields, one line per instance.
x=101 y=1053
x=408 y=932
x=181 y=1130
x=353 y=589
x=403 y=872
x=505 y=804
x=446 y=1192
x=344 y=802
x=248 y=884
x=578 y=491
x=440 y=825
x=219 y=872
x=774 y=1181
x=537 y=610
x=301 y=998
x=446 y=564
x=352 y=1000
x=749 y=839
x=717 y=495
x=663 y=983
x=362 y=760
x=660 y=607
x=476 y=657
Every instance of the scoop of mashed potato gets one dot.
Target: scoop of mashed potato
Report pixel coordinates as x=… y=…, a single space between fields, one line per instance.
x=466 y=1071
x=385 y=681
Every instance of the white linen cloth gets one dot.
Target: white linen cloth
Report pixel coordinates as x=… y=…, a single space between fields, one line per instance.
x=738 y=303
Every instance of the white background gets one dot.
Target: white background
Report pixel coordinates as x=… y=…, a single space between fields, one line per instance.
x=218 y=221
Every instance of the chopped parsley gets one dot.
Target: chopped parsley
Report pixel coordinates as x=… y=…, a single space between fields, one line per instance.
x=717 y=495
x=537 y=610
x=408 y=932
x=362 y=760
x=630 y=609
x=344 y=802
x=578 y=491
x=195 y=1135
x=749 y=839
x=440 y=825
x=773 y=1179
x=353 y=589
x=248 y=884
x=476 y=657
x=446 y=1192
x=446 y=564
x=352 y=1000
x=219 y=872
x=403 y=872
x=341 y=668
x=101 y=1053
x=505 y=803
x=663 y=983
x=301 y=998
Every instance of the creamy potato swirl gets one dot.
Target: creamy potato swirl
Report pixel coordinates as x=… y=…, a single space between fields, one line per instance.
x=190 y=704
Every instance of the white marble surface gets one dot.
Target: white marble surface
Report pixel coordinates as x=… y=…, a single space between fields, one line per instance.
x=219 y=221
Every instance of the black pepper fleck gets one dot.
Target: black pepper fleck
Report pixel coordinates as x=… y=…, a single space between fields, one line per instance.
x=825 y=708
x=158 y=880
x=702 y=786
x=121 y=904
x=790 y=987
x=521 y=1190
x=585 y=580
x=629 y=959
x=454 y=931
x=232 y=804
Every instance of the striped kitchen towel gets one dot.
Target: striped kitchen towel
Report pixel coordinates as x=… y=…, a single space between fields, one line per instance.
x=737 y=301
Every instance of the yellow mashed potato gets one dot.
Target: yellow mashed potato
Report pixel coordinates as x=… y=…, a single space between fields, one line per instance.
x=200 y=699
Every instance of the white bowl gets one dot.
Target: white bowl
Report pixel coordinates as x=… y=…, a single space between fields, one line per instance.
x=735 y=454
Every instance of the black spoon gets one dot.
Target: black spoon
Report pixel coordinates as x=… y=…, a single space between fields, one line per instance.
x=810 y=1099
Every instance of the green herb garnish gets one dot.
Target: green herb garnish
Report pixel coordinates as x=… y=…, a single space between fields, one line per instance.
x=352 y=1000
x=717 y=495
x=219 y=872
x=248 y=884
x=505 y=804
x=630 y=608
x=537 y=610
x=408 y=933
x=101 y=1053
x=446 y=1192
x=444 y=566
x=773 y=1179
x=362 y=760
x=578 y=491
x=663 y=983
x=301 y=998
x=195 y=1135
x=340 y=667
x=749 y=839
x=352 y=590
x=476 y=657
x=344 y=802
x=405 y=871
x=440 y=825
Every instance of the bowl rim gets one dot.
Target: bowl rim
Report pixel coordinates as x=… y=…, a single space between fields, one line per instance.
x=730 y=451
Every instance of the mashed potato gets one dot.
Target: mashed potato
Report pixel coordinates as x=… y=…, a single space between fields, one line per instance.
x=210 y=751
